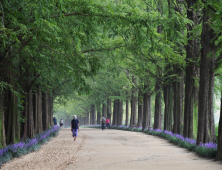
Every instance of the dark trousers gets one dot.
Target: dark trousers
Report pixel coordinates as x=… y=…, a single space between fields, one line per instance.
x=103 y=126
x=108 y=125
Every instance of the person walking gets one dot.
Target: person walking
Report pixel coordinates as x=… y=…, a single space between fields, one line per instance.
x=107 y=123
x=61 y=123
x=75 y=127
x=103 y=121
x=55 y=121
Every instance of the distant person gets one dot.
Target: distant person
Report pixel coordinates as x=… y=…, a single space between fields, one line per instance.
x=107 y=123
x=75 y=127
x=61 y=123
x=55 y=121
x=103 y=121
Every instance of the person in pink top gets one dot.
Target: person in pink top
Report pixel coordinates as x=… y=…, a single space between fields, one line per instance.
x=107 y=123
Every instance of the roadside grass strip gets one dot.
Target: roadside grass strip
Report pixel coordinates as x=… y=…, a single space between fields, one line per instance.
x=208 y=150
x=27 y=146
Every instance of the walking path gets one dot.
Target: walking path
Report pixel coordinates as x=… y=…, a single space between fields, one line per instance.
x=110 y=149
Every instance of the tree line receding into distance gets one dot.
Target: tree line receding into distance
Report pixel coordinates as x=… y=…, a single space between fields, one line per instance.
x=149 y=63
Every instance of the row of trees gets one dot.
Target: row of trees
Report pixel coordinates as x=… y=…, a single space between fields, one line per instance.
x=48 y=51
x=142 y=51
x=167 y=72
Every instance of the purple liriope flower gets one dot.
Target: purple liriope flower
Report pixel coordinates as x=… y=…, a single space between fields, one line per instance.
x=29 y=142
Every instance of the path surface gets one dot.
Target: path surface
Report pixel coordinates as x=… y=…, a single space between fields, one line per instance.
x=111 y=149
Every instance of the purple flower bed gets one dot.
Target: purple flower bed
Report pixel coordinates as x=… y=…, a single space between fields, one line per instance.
x=29 y=145
x=207 y=149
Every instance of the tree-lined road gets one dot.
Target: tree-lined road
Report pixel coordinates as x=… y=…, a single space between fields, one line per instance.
x=111 y=149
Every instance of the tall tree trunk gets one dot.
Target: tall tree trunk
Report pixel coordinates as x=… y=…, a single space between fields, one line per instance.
x=8 y=116
x=178 y=86
x=219 y=147
x=30 y=110
x=104 y=110
x=15 y=117
x=87 y=118
x=140 y=109
x=98 y=114
x=51 y=110
x=25 y=114
x=45 y=110
x=146 y=108
x=158 y=102
x=210 y=121
x=115 y=111
x=2 y=121
x=120 y=112
x=168 y=111
x=35 y=111
x=133 y=102
x=109 y=109
x=207 y=59
x=127 y=112
x=91 y=115
x=39 y=111
x=93 y=111
x=191 y=55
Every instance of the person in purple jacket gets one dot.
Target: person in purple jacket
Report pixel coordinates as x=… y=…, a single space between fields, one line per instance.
x=75 y=127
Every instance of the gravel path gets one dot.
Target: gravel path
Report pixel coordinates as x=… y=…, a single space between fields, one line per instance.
x=111 y=149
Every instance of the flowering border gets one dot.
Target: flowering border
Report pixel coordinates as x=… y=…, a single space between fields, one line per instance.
x=207 y=150
x=27 y=146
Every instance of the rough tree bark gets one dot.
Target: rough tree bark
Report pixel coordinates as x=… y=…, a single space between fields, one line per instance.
x=211 y=123
x=178 y=87
x=104 y=109
x=45 y=110
x=133 y=102
x=98 y=114
x=146 y=109
x=127 y=112
x=167 y=86
x=120 y=112
x=191 y=55
x=51 y=110
x=158 y=103
x=207 y=59
x=115 y=112
x=140 y=109
x=30 y=110
x=2 y=121
x=35 y=111
x=168 y=111
x=39 y=111
x=87 y=118
x=93 y=114
x=109 y=109
x=25 y=115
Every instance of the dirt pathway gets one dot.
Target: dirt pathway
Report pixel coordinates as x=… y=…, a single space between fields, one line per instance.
x=111 y=149
x=58 y=153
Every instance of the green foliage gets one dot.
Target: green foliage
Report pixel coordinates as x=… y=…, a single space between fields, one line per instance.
x=85 y=52
x=216 y=131
x=206 y=152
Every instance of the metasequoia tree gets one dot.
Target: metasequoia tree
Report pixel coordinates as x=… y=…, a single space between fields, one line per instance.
x=191 y=56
